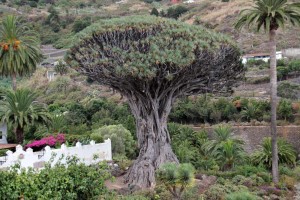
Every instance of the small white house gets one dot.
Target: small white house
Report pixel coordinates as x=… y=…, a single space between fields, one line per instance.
x=260 y=56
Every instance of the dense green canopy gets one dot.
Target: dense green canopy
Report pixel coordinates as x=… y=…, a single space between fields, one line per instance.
x=116 y=51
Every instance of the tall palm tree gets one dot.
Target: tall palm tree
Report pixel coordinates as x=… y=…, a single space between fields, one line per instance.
x=271 y=15
x=19 y=109
x=19 y=49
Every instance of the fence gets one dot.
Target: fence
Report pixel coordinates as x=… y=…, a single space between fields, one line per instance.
x=87 y=154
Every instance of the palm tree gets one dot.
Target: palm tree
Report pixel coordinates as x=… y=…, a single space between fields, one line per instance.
x=19 y=109
x=271 y=15
x=224 y=148
x=286 y=153
x=19 y=49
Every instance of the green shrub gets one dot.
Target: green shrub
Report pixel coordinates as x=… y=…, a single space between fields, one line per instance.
x=285 y=110
x=282 y=72
x=219 y=191
x=259 y=80
x=175 y=12
x=285 y=170
x=248 y=170
x=225 y=107
x=250 y=112
x=71 y=139
x=296 y=173
x=241 y=196
x=121 y=139
x=287 y=182
x=76 y=181
x=81 y=24
x=251 y=181
x=289 y=90
x=294 y=65
x=3 y=152
x=286 y=153
x=154 y=11
x=255 y=63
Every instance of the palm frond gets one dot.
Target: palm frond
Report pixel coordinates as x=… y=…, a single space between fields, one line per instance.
x=269 y=14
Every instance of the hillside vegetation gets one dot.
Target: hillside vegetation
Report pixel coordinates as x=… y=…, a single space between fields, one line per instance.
x=58 y=21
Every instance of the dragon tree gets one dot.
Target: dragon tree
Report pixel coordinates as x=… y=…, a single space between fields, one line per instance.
x=152 y=62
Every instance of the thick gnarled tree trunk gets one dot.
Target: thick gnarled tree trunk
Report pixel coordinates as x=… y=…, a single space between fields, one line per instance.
x=153 y=140
x=273 y=96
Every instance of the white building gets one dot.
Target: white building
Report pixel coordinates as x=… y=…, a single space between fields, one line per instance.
x=260 y=56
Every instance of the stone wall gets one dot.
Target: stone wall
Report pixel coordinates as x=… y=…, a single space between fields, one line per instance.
x=253 y=135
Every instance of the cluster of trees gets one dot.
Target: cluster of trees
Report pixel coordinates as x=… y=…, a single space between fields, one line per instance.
x=173 y=12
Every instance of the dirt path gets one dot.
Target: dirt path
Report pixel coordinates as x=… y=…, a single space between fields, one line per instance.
x=297 y=196
x=117 y=184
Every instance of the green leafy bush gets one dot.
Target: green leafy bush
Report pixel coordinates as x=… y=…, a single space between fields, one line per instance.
x=241 y=196
x=251 y=181
x=76 y=181
x=219 y=191
x=288 y=90
x=286 y=153
x=248 y=170
x=154 y=11
x=255 y=63
x=186 y=144
x=294 y=65
x=81 y=24
x=71 y=139
x=121 y=139
x=3 y=152
x=175 y=12
x=285 y=110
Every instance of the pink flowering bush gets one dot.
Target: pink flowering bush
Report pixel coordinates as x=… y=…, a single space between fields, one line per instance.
x=50 y=141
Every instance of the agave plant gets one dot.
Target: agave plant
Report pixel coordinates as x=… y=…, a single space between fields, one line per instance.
x=286 y=153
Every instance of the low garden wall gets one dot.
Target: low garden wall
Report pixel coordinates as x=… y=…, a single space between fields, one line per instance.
x=86 y=154
x=253 y=135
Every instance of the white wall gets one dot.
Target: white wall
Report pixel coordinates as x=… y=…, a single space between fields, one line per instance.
x=87 y=154
x=3 y=130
